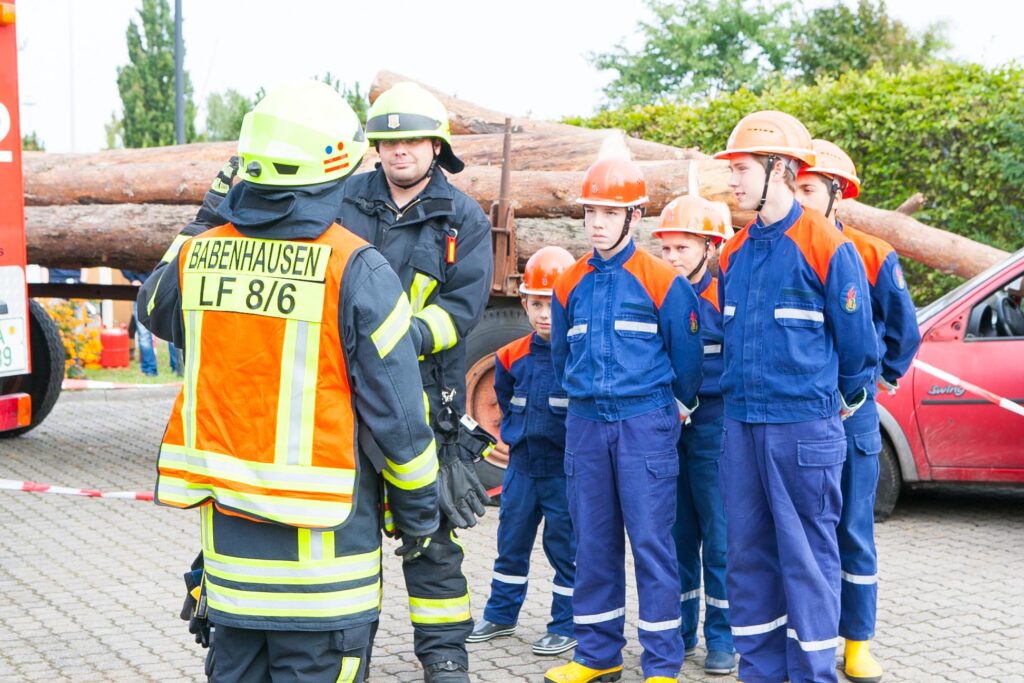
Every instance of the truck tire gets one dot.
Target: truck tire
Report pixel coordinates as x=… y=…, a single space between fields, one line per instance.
x=498 y=326
x=44 y=382
x=890 y=481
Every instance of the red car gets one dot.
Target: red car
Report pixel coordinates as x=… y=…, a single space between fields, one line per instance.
x=959 y=413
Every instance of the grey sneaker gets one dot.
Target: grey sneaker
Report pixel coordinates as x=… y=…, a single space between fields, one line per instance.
x=553 y=644
x=485 y=630
x=719 y=663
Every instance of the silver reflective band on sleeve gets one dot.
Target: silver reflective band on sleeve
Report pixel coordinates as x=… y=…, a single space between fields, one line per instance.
x=598 y=618
x=659 y=625
x=577 y=329
x=758 y=629
x=555 y=402
x=860 y=579
x=689 y=595
x=635 y=326
x=799 y=314
x=812 y=645
x=518 y=401
x=561 y=590
x=715 y=602
x=712 y=348
x=507 y=578
x=729 y=311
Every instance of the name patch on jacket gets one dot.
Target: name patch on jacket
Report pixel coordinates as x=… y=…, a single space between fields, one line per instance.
x=262 y=277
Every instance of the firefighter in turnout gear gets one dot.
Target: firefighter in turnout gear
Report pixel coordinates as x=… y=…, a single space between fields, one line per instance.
x=823 y=187
x=438 y=241
x=296 y=339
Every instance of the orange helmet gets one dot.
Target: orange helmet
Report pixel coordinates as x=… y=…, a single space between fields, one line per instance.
x=770 y=132
x=543 y=268
x=695 y=215
x=614 y=182
x=833 y=162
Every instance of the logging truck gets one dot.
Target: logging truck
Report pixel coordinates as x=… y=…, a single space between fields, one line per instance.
x=31 y=350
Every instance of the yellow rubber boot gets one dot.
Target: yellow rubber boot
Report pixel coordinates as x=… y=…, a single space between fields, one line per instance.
x=859 y=666
x=574 y=672
x=661 y=679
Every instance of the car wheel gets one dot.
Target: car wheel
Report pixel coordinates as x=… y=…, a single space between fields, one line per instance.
x=890 y=481
x=43 y=384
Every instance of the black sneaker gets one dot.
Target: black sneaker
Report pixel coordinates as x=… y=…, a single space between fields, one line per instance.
x=485 y=630
x=445 y=672
x=553 y=644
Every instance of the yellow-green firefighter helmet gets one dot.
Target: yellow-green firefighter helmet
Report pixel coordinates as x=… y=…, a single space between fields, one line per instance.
x=300 y=134
x=408 y=110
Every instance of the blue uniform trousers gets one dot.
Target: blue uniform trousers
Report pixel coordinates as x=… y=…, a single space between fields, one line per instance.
x=525 y=500
x=856 y=531
x=623 y=474
x=699 y=533
x=780 y=484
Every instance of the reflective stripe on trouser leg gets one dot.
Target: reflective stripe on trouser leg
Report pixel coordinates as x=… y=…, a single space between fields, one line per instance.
x=439 y=602
x=646 y=469
x=559 y=543
x=599 y=596
x=518 y=519
x=756 y=598
x=703 y=442
x=856 y=531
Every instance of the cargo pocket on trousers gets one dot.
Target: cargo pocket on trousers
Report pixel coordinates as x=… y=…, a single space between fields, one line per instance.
x=821 y=468
x=865 y=468
x=662 y=478
x=568 y=463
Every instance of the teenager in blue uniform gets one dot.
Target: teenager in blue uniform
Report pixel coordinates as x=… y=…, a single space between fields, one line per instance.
x=691 y=230
x=626 y=346
x=800 y=352
x=533 y=407
x=823 y=187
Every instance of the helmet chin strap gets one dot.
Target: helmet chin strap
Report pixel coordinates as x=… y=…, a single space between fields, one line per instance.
x=703 y=259
x=767 y=176
x=625 y=228
x=833 y=186
x=430 y=172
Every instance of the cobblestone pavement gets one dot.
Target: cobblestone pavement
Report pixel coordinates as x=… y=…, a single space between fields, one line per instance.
x=92 y=587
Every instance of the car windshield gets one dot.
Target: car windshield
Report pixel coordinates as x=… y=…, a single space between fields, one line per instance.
x=926 y=312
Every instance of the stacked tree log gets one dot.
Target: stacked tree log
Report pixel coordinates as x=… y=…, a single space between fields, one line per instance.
x=122 y=208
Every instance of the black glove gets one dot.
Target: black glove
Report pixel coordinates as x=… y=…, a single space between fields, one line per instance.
x=194 y=609
x=222 y=183
x=415 y=547
x=460 y=495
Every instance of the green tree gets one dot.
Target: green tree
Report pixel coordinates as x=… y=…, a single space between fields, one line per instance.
x=32 y=143
x=836 y=39
x=694 y=50
x=224 y=114
x=146 y=84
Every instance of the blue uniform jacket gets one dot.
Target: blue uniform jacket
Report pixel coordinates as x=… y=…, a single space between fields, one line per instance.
x=710 y=392
x=798 y=326
x=625 y=336
x=533 y=407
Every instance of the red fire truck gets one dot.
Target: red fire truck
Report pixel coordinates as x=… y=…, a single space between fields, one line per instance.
x=31 y=350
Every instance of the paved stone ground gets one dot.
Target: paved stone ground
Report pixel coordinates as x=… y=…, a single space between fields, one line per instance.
x=91 y=588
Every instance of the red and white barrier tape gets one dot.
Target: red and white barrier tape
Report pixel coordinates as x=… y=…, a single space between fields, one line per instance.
x=1003 y=403
x=81 y=384
x=34 y=487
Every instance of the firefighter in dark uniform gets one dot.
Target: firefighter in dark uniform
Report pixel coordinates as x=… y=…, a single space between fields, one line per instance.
x=438 y=241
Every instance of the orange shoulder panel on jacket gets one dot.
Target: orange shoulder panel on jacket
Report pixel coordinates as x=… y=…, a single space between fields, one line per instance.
x=513 y=351
x=733 y=245
x=568 y=280
x=817 y=239
x=710 y=293
x=873 y=251
x=654 y=274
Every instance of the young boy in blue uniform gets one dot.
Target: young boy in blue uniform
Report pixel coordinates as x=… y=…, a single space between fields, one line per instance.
x=691 y=230
x=823 y=187
x=533 y=407
x=800 y=352
x=626 y=346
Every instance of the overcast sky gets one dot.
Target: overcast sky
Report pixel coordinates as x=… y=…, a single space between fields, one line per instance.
x=519 y=56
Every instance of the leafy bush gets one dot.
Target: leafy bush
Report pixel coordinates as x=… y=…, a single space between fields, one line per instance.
x=952 y=131
x=81 y=337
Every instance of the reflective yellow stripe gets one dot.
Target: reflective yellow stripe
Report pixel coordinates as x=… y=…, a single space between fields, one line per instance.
x=439 y=610
x=151 y=304
x=420 y=290
x=284 y=572
x=393 y=328
x=193 y=335
x=349 y=669
x=296 y=399
x=441 y=327
x=175 y=247
x=417 y=473
x=281 y=604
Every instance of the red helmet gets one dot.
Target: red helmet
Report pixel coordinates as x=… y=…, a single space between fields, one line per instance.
x=543 y=268
x=614 y=182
